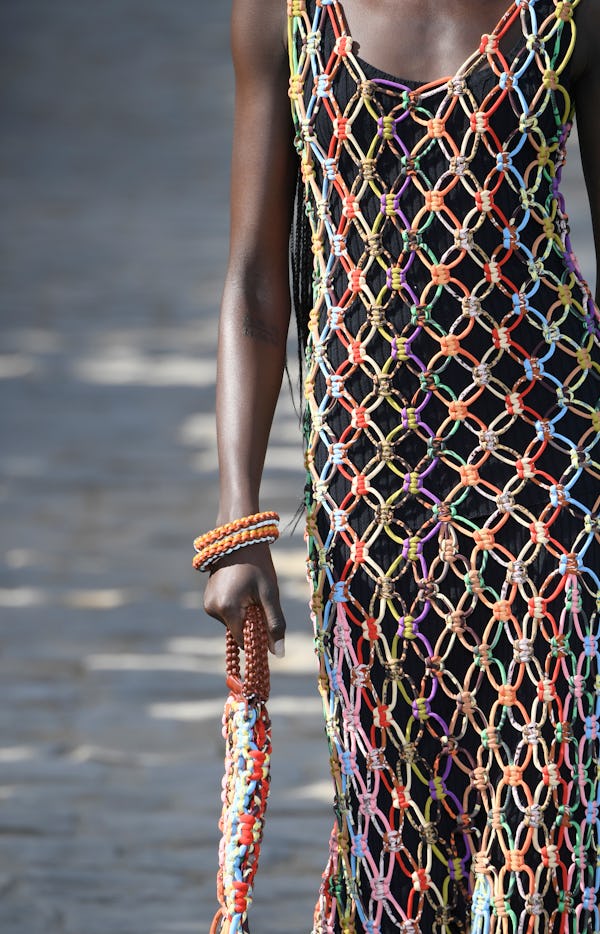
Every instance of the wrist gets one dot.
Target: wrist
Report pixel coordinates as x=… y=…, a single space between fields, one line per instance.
x=232 y=509
x=219 y=542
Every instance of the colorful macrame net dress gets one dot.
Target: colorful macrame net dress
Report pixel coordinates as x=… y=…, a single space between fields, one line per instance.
x=452 y=426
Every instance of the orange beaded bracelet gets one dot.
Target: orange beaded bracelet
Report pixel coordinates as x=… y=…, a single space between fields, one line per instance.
x=249 y=530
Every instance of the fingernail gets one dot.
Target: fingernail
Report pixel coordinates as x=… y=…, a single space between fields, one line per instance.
x=279 y=648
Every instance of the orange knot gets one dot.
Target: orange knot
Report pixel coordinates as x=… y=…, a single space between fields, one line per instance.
x=449 y=345
x=499 y=904
x=246 y=829
x=355 y=351
x=513 y=775
x=371 y=629
x=421 y=880
x=359 y=552
x=434 y=200
x=484 y=539
x=550 y=775
x=496 y=818
x=360 y=485
x=550 y=856
x=400 y=797
x=479 y=122
x=492 y=271
x=525 y=468
x=350 y=206
x=360 y=417
x=356 y=280
x=469 y=475
x=484 y=201
x=341 y=128
x=458 y=410
x=507 y=695
x=501 y=338
x=381 y=716
x=467 y=702
x=343 y=46
x=502 y=610
x=258 y=758
x=240 y=899
x=546 y=691
x=440 y=274
x=538 y=532
x=488 y=44
x=480 y=778
x=514 y=403
x=514 y=860
x=436 y=128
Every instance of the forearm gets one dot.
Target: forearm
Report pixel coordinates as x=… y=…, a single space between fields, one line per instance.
x=251 y=359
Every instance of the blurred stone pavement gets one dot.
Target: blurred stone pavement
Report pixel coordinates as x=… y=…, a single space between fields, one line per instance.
x=114 y=153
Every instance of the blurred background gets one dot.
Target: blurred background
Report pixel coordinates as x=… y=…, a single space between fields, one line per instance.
x=115 y=130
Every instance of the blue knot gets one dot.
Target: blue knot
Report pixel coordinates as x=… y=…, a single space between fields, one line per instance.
x=590 y=645
x=330 y=169
x=591 y=727
x=339 y=592
x=542 y=429
x=529 y=369
x=322 y=86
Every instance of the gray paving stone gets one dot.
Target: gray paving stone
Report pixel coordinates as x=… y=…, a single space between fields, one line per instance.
x=116 y=129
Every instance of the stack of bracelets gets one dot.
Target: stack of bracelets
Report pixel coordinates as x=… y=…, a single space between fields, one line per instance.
x=214 y=545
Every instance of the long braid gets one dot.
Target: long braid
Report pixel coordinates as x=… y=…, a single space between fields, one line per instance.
x=301 y=267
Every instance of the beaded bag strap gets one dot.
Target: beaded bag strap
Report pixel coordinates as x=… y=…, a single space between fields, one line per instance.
x=256 y=682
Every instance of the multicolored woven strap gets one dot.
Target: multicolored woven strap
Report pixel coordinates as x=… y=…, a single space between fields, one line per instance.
x=247 y=733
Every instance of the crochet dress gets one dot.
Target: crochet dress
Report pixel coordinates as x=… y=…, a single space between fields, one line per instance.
x=452 y=422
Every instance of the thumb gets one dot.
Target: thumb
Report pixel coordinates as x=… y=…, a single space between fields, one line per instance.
x=275 y=621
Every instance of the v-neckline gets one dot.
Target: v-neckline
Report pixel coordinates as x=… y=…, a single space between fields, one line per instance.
x=466 y=67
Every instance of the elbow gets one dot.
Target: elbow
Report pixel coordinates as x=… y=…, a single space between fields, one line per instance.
x=259 y=303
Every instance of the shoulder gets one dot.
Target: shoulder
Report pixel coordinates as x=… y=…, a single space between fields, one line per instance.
x=258 y=31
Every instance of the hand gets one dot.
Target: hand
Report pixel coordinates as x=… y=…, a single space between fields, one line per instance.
x=242 y=579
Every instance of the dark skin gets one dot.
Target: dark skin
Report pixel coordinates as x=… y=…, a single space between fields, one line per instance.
x=420 y=39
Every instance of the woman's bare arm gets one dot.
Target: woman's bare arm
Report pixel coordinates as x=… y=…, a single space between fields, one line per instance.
x=587 y=106
x=255 y=310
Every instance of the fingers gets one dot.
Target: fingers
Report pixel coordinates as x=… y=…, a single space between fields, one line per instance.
x=227 y=608
x=275 y=620
x=235 y=585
